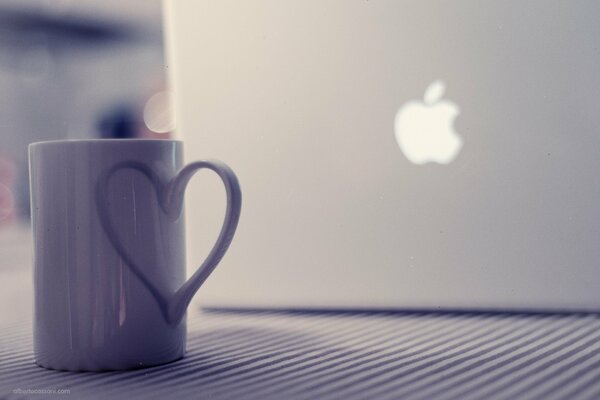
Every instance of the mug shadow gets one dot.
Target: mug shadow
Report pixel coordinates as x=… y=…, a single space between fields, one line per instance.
x=217 y=358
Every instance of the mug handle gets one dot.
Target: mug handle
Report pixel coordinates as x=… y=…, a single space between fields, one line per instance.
x=173 y=202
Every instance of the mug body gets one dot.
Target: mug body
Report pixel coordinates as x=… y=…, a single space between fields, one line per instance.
x=92 y=312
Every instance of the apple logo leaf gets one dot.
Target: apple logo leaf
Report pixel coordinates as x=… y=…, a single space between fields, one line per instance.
x=434 y=92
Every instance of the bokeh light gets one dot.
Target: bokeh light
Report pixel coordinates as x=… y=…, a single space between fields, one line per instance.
x=7 y=202
x=158 y=113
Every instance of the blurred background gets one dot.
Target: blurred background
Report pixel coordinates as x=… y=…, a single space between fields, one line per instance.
x=72 y=70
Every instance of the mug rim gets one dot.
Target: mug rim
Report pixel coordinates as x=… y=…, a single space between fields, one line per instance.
x=112 y=140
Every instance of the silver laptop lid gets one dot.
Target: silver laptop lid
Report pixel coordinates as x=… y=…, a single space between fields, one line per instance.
x=395 y=153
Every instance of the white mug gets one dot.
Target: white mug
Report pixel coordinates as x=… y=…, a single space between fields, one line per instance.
x=109 y=251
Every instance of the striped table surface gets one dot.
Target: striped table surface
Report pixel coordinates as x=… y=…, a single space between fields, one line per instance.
x=303 y=355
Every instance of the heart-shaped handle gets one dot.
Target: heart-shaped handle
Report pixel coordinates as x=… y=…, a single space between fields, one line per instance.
x=170 y=196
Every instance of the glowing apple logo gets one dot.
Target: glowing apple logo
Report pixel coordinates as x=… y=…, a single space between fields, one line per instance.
x=425 y=130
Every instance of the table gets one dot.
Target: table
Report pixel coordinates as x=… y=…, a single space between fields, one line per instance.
x=272 y=354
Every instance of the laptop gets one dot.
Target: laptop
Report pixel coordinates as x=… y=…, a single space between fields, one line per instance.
x=394 y=154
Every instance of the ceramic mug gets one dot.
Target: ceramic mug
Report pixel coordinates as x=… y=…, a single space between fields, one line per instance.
x=109 y=251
